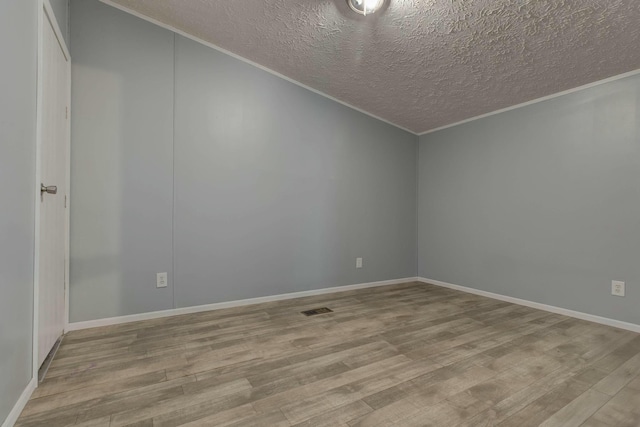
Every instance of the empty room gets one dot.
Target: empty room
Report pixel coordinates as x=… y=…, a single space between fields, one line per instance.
x=324 y=213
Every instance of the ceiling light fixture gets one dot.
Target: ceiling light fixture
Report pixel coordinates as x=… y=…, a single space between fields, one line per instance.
x=365 y=7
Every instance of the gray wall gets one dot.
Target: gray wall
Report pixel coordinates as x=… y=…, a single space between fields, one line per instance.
x=540 y=203
x=121 y=163
x=61 y=11
x=18 y=48
x=267 y=188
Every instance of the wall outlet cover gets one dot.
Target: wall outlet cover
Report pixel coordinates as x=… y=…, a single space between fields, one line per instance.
x=358 y=262
x=161 y=280
x=617 y=288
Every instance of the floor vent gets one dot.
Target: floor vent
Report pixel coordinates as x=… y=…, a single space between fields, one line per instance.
x=315 y=311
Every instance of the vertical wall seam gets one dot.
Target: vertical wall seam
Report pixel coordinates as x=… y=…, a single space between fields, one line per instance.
x=417 y=206
x=173 y=181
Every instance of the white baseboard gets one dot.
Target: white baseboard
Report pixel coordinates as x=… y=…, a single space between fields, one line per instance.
x=553 y=309
x=75 y=326
x=21 y=403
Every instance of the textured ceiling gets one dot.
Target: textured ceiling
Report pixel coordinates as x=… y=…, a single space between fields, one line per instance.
x=421 y=64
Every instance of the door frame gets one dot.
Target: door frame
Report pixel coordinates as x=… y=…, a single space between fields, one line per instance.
x=45 y=11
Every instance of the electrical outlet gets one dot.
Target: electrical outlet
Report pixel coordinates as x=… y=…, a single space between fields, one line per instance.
x=161 y=280
x=358 y=262
x=617 y=288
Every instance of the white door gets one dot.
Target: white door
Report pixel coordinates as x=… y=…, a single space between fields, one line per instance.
x=53 y=176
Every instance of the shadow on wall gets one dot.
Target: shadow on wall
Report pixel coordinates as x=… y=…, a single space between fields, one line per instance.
x=98 y=190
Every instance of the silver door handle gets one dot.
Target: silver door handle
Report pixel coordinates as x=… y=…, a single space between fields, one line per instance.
x=51 y=189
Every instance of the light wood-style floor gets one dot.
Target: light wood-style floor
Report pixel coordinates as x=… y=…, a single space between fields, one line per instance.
x=403 y=355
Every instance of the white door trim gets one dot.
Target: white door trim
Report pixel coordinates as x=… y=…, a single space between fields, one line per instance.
x=45 y=11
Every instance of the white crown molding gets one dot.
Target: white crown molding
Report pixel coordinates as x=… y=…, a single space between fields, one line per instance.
x=275 y=73
x=550 y=308
x=248 y=61
x=535 y=101
x=75 y=326
x=20 y=404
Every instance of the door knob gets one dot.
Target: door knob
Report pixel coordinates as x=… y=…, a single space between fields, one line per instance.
x=51 y=189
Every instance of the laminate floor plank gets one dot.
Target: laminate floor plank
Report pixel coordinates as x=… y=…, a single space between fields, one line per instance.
x=402 y=355
x=622 y=410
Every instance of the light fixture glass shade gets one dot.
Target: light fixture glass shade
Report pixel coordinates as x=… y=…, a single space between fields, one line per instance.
x=365 y=7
